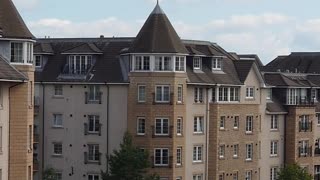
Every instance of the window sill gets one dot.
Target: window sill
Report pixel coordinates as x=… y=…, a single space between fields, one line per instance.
x=161 y=102
x=248 y=160
x=274 y=156
x=222 y=158
x=93 y=162
x=274 y=130
x=141 y=102
x=198 y=133
x=57 y=127
x=140 y=135
x=222 y=129
x=249 y=99
x=198 y=103
x=180 y=103
x=178 y=165
x=235 y=157
x=57 y=97
x=161 y=135
x=57 y=155
x=94 y=102
x=93 y=133
x=179 y=135
x=249 y=133
x=197 y=162
x=161 y=165
x=236 y=129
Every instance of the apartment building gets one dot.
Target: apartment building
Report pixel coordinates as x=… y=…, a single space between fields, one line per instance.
x=200 y=112
x=16 y=95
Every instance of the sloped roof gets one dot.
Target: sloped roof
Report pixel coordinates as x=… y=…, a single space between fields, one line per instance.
x=42 y=48
x=243 y=68
x=293 y=80
x=8 y=72
x=11 y=23
x=157 y=36
x=275 y=107
x=88 y=48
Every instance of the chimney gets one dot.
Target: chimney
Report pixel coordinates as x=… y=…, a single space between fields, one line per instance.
x=101 y=36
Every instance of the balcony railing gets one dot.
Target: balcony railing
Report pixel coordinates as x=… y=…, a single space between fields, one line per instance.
x=305 y=126
x=96 y=99
x=75 y=73
x=300 y=100
x=87 y=130
x=305 y=151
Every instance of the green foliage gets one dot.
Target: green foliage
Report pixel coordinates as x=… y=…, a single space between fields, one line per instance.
x=128 y=163
x=49 y=174
x=294 y=172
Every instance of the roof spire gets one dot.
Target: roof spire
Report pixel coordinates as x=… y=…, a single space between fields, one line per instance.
x=157 y=2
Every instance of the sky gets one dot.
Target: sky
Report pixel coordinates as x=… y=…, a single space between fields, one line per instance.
x=267 y=28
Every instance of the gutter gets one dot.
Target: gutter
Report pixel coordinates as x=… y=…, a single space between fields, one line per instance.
x=82 y=83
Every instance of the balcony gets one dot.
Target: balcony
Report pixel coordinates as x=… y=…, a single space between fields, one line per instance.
x=305 y=126
x=35 y=165
x=79 y=73
x=300 y=100
x=95 y=99
x=305 y=151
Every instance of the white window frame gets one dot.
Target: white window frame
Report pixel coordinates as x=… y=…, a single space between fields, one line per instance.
x=273 y=173
x=145 y=61
x=235 y=151
x=96 y=122
x=38 y=58
x=197 y=177
x=80 y=64
x=249 y=124
x=93 y=176
x=291 y=96
x=222 y=123
x=317 y=169
x=141 y=126
x=197 y=63
x=57 y=120
x=58 y=175
x=248 y=175
x=180 y=93
x=179 y=126
x=274 y=145
x=221 y=176
x=304 y=145
x=216 y=64
x=55 y=148
x=179 y=156
x=141 y=93
x=93 y=149
x=19 y=56
x=318 y=119
x=162 y=122
x=58 y=90
x=222 y=149
x=94 y=93
x=163 y=63
x=314 y=93
x=236 y=122
x=162 y=94
x=249 y=152
x=180 y=63
x=198 y=125
x=161 y=156
x=197 y=153
x=235 y=176
x=250 y=92
x=198 y=95
x=274 y=122
x=269 y=94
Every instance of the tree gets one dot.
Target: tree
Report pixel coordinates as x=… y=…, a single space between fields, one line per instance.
x=49 y=174
x=293 y=172
x=128 y=163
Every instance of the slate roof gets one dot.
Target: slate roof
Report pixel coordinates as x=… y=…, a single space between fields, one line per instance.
x=85 y=48
x=157 y=36
x=8 y=72
x=298 y=62
x=243 y=68
x=11 y=23
x=42 y=48
x=275 y=107
x=291 y=79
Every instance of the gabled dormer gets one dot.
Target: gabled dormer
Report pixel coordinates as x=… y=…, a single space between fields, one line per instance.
x=42 y=51
x=157 y=47
x=80 y=60
x=15 y=36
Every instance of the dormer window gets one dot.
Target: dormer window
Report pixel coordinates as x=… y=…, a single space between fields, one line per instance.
x=216 y=64
x=163 y=63
x=79 y=64
x=38 y=61
x=142 y=63
x=21 y=52
x=196 y=63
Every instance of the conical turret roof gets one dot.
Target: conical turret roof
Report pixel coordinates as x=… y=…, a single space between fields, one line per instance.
x=11 y=23
x=158 y=36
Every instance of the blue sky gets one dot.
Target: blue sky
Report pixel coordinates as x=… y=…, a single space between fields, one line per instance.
x=264 y=27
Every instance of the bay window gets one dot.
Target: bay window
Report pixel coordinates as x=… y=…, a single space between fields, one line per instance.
x=180 y=63
x=163 y=63
x=142 y=63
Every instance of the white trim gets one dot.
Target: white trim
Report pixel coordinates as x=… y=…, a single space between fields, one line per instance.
x=12 y=39
x=7 y=80
x=81 y=53
x=81 y=83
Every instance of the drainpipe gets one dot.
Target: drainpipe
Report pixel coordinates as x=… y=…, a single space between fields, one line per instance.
x=43 y=126
x=207 y=133
x=9 y=125
x=285 y=141
x=108 y=107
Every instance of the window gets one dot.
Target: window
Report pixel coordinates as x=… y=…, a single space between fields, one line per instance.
x=235 y=176
x=29 y=53
x=198 y=95
x=94 y=154
x=162 y=126
x=228 y=94
x=58 y=176
x=38 y=61
x=304 y=123
x=1 y=139
x=179 y=156
x=318 y=118
x=30 y=137
x=235 y=150
x=221 y=151
x=292 y=96
x=161 y=157
x=236 y=122
x=273 y=173
x=314 y=95
x=57 y=149
x=269 y=94
x=58 y=90
x=57 y=120
x=93 y=177
x=303 y=148
x=248 y=175
x=180 y=94
x=221 y=176
x=80 y=64
x=142 y=63
x=197 y=153
x=213 y=93
x=180 y=63
x=179 y=178
x=29 y=173
x=317 y=171
x=274 y=122
x=94 y=93
x=141 y=126
x=94 y=124
x=249 y=124
x=141 y=93
x=249 y=152
x=198 y=125
x=196 y=63
x=222 y=122
x=223 y=94
x=234 y=94
x=17 y=52
x=162 y=93
x=179 y=126
x=216 y=63
x=250 y=92
x=198 y=177
x=274 y=148
x=163 y=63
